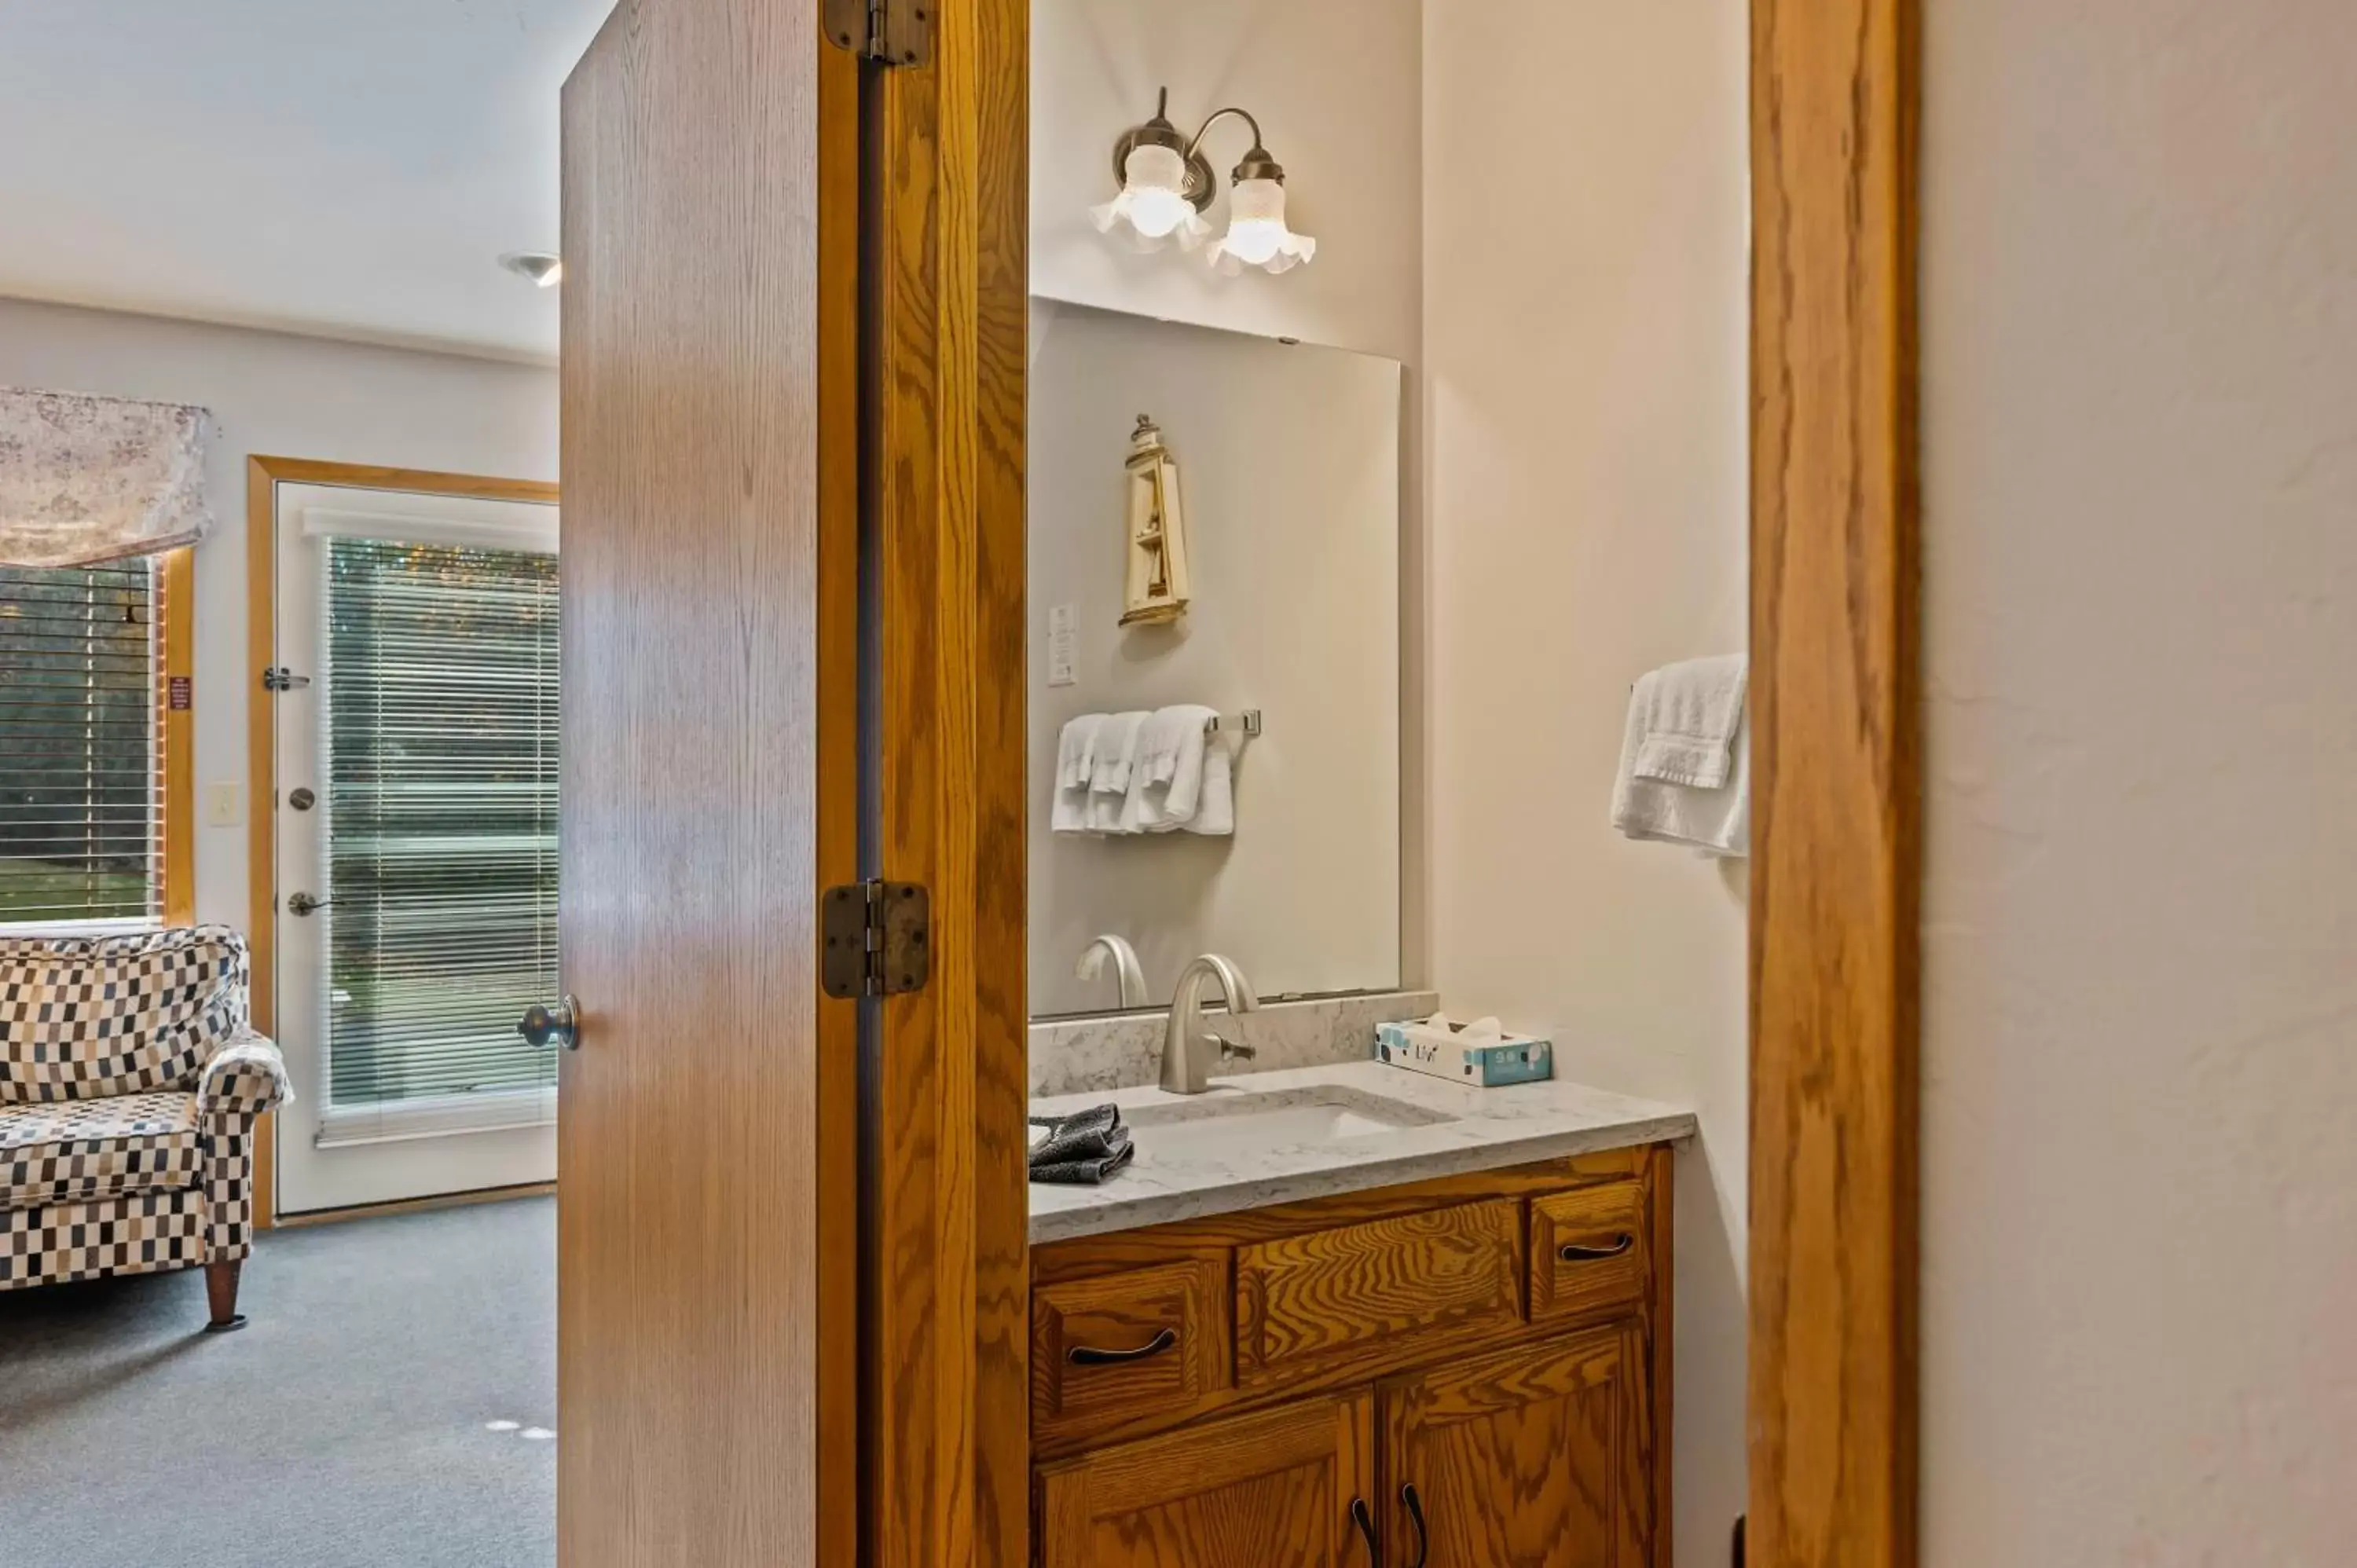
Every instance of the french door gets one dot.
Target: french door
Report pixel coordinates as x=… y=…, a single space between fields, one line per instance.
x=415 y=704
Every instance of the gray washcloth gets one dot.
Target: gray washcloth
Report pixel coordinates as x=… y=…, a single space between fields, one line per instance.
x=1082 y=1149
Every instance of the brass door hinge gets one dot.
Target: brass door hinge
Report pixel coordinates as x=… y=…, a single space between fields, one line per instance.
x=895 y=32
x=878 y=939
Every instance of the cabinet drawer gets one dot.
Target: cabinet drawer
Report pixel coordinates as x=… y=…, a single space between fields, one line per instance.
x=1305 y=1301
x=1102 y=1347
x=1590 y=1251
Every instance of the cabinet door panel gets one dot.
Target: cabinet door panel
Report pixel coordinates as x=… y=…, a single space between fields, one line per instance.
x=1536 y=1456
x=1269 y=1490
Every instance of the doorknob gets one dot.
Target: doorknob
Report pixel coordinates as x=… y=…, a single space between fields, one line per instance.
x=559 y=1026
x=303 y=903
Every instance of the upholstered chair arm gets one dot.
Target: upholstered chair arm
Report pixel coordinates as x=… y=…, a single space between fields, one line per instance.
x=245 y=1078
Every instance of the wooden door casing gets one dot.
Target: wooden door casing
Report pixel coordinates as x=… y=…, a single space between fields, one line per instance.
x=946 y=220
x=1272 y=1489
x=704 y=1347
x=1536 y=1456
x=1836 y=867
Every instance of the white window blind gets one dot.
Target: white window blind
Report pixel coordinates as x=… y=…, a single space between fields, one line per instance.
x=80 y=750
x=439 y=728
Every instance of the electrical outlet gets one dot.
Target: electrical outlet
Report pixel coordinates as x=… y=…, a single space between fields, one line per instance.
x=224 y=804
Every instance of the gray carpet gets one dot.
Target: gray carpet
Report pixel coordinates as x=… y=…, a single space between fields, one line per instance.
x=344 y=1427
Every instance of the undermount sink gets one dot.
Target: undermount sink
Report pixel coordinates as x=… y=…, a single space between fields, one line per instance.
x=1226 y=1119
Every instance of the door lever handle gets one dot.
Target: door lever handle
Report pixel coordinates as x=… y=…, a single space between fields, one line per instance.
x=303 y=903
x=559 y=1026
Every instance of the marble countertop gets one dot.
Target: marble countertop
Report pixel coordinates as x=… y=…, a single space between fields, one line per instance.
x=1473 y=1130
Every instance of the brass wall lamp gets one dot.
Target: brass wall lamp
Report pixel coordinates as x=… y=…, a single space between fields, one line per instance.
x=1166 y=184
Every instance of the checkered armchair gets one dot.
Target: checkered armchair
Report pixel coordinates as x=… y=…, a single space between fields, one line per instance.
x=129 y=1084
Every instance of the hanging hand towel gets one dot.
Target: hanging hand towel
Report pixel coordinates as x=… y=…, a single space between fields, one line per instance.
x=1214 y=809
x=1716 y=822
x=1113 y=754
x=1690 y=711
x=1070 y=813
x=1170 y=749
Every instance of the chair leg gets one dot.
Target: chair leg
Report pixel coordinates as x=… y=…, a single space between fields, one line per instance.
x=221 y=1294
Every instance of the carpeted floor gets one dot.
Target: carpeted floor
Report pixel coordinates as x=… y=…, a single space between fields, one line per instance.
x=349 y=1425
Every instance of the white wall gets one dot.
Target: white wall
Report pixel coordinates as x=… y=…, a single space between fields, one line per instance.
x=1585 y=329
x=1334 y=85
x=288 y=397
x=2139 y=1165
x=1288 y=460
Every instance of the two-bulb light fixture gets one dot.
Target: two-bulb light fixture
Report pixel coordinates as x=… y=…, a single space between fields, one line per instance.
x=1166 y=184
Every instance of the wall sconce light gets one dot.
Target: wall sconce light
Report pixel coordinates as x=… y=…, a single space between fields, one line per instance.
x=1166 y=184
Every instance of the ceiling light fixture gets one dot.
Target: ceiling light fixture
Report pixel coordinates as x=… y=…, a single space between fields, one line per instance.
x=544 y=269
x=1166 y=184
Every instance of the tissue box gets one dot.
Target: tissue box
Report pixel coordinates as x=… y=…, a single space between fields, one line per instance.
x=1486 y=1062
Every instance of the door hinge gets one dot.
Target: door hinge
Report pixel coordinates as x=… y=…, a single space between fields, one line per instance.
x=278 y=678
x=895 y=32
x=879 y=939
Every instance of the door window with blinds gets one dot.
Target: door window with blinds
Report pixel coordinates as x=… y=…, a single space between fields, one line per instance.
x=438 y=739
x=81 y=753
x=418 y=807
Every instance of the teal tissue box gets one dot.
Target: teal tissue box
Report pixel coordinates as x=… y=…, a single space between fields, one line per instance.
x=1438 y=1052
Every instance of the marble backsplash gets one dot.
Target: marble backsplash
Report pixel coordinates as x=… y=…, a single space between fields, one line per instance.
x=1075 y=1056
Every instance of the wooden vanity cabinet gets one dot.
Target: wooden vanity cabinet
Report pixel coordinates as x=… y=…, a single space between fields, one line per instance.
x=1270 y=1389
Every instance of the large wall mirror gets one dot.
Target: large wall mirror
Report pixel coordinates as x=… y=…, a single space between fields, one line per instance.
x=1214 y=660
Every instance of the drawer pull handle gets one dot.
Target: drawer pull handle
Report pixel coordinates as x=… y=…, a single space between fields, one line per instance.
x=1576 y=1254
x=1090 y=1356
x=1415 y=1512
x=1366 y=1521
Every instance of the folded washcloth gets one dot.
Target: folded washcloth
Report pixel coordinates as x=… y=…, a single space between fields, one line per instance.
x=1112 y=755
x=1171 y=746
x=1716 y=822
x=1084 y=1148
x=1689 y=714
x=1073 y=751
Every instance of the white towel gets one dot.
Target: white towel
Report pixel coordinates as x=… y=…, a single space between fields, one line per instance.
x=1716 y=822
x=1112 y=755
x=1170 y=747
x=1071 y=813
x=1690 y=711
x=1212 y=811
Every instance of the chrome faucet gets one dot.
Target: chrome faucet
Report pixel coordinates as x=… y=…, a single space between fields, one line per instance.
x=1185 y=1043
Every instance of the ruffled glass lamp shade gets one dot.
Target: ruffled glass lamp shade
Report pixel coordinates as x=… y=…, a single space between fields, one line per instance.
x=1258 y=235
x=1153 y=207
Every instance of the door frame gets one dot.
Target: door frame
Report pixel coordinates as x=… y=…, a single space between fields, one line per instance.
x=1836 y=768
x=946 y=1436
x=264 y=475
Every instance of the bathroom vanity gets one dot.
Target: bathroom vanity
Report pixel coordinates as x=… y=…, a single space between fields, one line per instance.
x=1365 y=1338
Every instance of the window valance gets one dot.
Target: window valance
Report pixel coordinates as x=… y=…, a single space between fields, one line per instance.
x=85 y=479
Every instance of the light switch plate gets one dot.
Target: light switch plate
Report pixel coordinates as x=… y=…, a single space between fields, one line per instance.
x=224 y=804
x=1063 y=634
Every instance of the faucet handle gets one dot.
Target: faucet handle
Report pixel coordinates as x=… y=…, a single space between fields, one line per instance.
x=1231 y=1050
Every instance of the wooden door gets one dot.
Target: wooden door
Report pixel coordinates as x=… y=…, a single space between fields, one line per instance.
x=1270 y=1491
x=706 y=1178
x=1537 y=1457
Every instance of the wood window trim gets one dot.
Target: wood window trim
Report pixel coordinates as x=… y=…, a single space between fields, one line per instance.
x=264 y=475
x=1835 y=89
x=175 y=585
